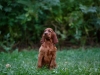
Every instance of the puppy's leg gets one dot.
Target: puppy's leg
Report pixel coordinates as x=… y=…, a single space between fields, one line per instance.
x=40 y=57
x=53 y=62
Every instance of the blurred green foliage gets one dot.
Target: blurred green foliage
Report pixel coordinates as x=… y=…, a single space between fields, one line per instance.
x=73 y=20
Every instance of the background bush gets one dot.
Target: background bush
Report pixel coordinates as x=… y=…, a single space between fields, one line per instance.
x=22 y=21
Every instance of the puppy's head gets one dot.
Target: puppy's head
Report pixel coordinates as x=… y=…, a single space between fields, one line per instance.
x=49 y=34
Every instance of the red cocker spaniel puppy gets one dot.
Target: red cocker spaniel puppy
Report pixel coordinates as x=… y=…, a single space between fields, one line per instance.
x=47 y=51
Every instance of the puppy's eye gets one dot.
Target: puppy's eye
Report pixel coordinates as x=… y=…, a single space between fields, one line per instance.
x=50 y=31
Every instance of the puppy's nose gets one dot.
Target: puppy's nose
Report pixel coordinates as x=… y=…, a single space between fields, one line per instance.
x=45 y=33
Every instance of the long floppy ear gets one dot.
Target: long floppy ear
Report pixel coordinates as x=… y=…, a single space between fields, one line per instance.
x=42 y=39
x=54 y=38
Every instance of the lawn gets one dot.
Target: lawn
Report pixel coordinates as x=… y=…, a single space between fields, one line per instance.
x=69 y=62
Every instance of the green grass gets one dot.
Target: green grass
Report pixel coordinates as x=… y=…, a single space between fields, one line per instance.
x=70 y=62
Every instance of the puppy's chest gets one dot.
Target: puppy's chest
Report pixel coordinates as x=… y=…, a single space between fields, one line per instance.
x=49 y=49
x=48 y=46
